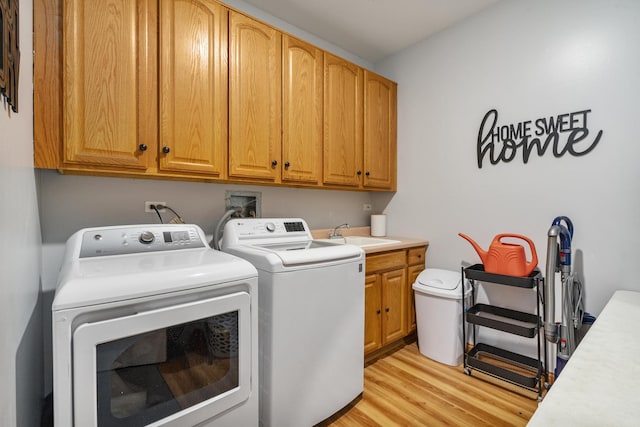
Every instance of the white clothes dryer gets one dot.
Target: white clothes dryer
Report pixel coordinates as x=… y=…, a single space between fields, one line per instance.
x=153 y=327
x=311 y=319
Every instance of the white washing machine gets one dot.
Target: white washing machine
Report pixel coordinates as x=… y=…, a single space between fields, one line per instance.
x=153 y=327
x=311 y=319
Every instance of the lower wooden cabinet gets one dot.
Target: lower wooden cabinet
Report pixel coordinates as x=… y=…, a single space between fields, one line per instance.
x=385 y=307
x=416 y=261
x=372 y=313
x=394 y=307
x=389 y=304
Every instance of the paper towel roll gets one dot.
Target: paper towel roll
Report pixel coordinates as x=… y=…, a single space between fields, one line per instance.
x=379 y=225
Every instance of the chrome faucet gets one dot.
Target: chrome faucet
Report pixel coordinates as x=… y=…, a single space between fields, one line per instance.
x=337 y=232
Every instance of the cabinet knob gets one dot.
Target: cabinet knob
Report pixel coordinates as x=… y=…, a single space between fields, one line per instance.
x=143 y=147
x=367 y=173
x=378 y=312
x=166 y=150
x=419 y=256
x=274 y=163
x=359 y=173
x=286 y=165
x=387 y=309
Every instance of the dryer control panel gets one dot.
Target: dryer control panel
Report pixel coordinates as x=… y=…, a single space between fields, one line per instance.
x=106 y=241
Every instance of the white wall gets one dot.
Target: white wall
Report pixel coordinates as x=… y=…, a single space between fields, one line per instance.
x=295 y=31
x=20 y=330
x=527 y=60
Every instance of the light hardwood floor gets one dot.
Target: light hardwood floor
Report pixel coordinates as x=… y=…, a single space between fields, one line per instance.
x=408 y=389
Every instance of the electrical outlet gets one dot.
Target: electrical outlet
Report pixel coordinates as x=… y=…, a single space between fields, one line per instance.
x=366 y=207
x=147 y=206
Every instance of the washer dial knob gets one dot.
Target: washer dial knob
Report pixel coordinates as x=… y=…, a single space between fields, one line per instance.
x=146 y=237
x=271 y=227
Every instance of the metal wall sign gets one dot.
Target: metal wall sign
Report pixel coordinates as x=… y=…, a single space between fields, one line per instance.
x=9 y=51
x=566 y=133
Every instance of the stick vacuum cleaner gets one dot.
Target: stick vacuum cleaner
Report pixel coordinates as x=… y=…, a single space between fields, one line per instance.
x=564 y=333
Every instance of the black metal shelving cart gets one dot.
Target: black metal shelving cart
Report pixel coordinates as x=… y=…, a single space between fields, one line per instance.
x=514 y=368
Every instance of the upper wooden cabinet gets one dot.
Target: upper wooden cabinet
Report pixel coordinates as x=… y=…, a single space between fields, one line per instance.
x=360 y=127
x=255 y=93
x=144 y=88
x=302 y=77
x=193 y=87
x=108 y=84
x=342 y=122
x=380 y=147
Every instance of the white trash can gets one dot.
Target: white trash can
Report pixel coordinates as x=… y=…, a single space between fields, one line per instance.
x=438 y=296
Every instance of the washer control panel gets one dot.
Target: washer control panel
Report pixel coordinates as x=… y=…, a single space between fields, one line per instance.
x=106 y=241
x=257 y=230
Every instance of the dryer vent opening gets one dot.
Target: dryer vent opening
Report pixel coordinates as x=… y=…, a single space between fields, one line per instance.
x=247 y=204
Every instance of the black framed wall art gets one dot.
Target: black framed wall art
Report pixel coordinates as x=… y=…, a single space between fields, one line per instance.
x=9 y=52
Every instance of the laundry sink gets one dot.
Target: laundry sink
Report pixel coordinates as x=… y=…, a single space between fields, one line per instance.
x=362 y=241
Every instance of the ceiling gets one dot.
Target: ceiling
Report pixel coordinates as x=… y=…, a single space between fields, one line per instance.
x=372 y=29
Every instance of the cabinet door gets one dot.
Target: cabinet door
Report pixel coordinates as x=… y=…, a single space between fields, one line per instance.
x=342 y=122
x=372 y=313
x=47 y=83
x=254 y=99
x=416 y=260
x=193 y=86
x=394 y=299
x=380 y=104
x=109 y=88
x=302 y=111
x=413 y=271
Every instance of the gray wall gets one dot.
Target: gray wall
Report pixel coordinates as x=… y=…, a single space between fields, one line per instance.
x=527 y=60
x=21 y=327
x=71 y=202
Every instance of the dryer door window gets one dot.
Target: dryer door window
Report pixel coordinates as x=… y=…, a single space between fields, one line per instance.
x=156 y=367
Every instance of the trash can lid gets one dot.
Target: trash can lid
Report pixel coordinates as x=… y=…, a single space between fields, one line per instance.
x=444 y=283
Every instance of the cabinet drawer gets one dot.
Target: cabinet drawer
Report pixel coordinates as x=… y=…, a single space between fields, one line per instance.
x=386 y=261
x=416 y=255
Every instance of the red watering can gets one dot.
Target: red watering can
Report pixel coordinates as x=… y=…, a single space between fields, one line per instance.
x=506 y=258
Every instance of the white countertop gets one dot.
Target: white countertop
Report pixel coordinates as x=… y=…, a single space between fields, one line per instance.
x=598 y=385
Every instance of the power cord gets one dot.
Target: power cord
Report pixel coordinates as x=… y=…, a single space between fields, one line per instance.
x=155 y=208
x=175 y=220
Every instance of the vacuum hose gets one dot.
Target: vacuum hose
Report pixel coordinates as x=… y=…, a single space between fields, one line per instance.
x=559 y=259
x=550 y=327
